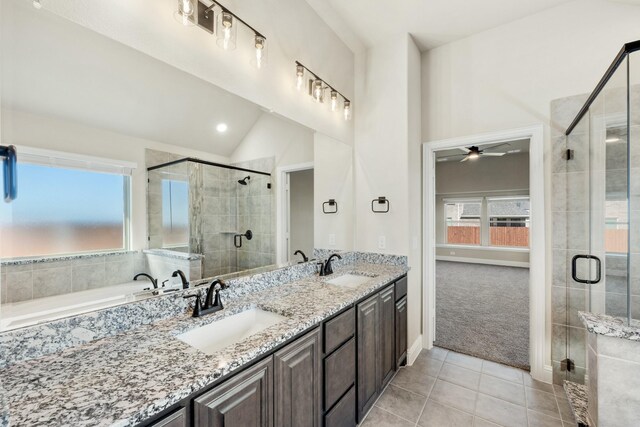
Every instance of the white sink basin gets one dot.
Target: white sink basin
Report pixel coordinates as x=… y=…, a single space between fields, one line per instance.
x=349 y=280
x=229 y=330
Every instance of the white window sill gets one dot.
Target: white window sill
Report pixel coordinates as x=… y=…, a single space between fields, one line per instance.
x=484 y=248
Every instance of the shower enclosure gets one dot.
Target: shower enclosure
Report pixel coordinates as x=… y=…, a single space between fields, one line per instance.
x=596 y=183
x=224 y=213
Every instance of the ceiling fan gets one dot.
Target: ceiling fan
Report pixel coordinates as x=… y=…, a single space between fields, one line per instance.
x=474 y=152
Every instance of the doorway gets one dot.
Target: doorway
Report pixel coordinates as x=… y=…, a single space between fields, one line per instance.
x=467 y=230
x=296 y=222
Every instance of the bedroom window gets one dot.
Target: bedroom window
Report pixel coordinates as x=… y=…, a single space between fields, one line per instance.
x=463 y=221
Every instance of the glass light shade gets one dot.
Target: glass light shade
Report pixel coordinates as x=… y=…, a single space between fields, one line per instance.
x=186 y=12
x=334 y=100
x=347 y=110
x=226 y=31
x=259 y=60
x=317 y=90
x=299 y=77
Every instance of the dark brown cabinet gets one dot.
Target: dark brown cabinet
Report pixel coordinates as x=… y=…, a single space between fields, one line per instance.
x=368 y=315
x=387 y=356
x=401 y=332
x=245 y=400
x=175 y=419
x=329 y=377
x=298 y=383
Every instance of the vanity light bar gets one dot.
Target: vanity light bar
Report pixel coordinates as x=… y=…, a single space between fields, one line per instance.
x=225 y=29
x=318 y=87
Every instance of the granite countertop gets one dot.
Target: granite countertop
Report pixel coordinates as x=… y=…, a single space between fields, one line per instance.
x=610 y=326
x=125 y=379
x=578 y=397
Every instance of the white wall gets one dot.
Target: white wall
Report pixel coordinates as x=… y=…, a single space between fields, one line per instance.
x=387 y=158
x=293 y=29
x=32 y=130
x=333 y=179
x=301 y=210
x=506 y=77
x=289 y=142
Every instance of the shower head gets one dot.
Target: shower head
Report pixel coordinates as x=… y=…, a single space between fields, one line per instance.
x=244 y=180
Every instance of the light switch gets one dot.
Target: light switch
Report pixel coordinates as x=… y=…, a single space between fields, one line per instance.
x=332 y=239
x=382 y=242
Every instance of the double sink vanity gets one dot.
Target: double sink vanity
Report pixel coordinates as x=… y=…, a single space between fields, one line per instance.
x=290 y=348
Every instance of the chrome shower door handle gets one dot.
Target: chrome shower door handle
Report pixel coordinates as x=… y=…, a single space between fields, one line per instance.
x=589 y=258
x=10 y=172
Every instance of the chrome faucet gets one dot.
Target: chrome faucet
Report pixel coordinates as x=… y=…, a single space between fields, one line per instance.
x=153 y=281
x=212 y=302
x=326 y=268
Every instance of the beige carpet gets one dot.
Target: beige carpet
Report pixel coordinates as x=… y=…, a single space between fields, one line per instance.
x=483 y=311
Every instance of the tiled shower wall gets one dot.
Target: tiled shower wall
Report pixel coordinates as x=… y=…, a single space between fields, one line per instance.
x=47 y=278
x=256 y=212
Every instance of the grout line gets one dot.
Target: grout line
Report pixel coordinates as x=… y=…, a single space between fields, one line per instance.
x=389 y=412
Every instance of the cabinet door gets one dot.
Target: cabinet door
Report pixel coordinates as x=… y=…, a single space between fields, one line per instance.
x=368 y=313
x=298 y=383
x=387 y=355
x=176 y=419
x=245 y=400
x=401 y=332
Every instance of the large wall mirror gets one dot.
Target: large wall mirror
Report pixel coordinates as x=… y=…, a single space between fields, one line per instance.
x=130 y=167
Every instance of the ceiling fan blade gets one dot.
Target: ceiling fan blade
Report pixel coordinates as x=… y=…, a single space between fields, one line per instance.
x=495 y=146
x=466 y=150
x=493 y=154
x=465 y=159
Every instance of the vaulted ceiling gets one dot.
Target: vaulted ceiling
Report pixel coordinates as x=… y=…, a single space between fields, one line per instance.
x=431 y=22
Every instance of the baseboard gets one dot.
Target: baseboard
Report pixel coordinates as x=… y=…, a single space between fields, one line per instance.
x=483 y=261
x=414 y=350
x=545 y=376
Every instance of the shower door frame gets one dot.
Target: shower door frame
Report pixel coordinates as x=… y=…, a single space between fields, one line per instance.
x=539 y=276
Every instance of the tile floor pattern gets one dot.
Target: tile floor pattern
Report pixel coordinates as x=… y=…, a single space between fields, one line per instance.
x=447 y=389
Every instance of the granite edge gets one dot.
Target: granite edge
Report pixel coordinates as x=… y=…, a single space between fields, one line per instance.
x=610 y=326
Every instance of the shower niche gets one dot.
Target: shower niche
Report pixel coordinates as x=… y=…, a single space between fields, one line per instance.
x=223 y=215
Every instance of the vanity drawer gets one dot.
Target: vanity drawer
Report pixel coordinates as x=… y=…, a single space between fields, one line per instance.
x=344 y=413
x=339 y=329
x=401 y=288
x=339 y=373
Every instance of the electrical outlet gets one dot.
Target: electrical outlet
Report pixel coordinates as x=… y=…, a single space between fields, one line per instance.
x=452 y=253
x=382 y=242
x=332 y=239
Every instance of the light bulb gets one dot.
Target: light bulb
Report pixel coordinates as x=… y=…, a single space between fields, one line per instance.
x=37 y=4
x=299 y=76
x=334 y=100
x=261 y=44
x=184 y=14
x=347 y=110
x=226 y=31
x=227 y=22
x=318 y=90
x=473 y=155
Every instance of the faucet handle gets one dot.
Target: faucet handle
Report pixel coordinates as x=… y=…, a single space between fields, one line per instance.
x=198 y=305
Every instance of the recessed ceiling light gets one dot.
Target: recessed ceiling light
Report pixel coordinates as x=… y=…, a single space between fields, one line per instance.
x=442 y=159
x=612 y=139
x=222 y=127
x=513 y=151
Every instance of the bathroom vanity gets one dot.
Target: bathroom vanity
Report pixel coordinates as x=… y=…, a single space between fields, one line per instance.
x=324 y=361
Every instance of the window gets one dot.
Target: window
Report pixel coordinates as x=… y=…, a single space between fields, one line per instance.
x=175 y=213
x=616 y=226
x=66 y=204
x=462 y=221
x=509 y=221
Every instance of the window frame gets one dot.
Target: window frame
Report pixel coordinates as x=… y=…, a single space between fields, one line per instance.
x=66 y=160
x=527 y=219
x=448 y=201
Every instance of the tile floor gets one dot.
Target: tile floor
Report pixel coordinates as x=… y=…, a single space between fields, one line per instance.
x=447 y=389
